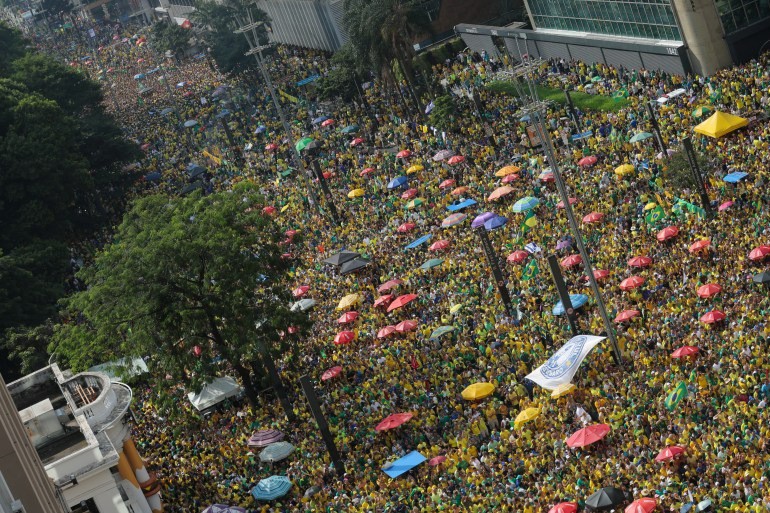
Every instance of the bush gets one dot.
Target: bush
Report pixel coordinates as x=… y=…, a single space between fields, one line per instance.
x=582 y=101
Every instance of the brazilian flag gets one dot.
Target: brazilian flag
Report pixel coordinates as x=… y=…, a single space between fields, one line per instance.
x=530 y=221
x=530 y=271
x=676 y=396
x=655 y=215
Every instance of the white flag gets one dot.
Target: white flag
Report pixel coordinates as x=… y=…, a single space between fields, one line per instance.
x=562 y=366
x=533 y=248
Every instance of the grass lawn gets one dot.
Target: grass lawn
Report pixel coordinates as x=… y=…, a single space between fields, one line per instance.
x=582 y=101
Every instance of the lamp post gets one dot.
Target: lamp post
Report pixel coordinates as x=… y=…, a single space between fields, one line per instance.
x=248 y=27
x=494 y=266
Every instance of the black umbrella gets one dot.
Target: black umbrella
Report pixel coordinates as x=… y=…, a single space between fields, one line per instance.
x=354 y=265
x=763 y=277
x=341 y=257
x=605 y=499
x=195 y=171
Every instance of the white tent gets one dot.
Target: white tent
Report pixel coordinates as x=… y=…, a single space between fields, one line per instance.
x=214 y=393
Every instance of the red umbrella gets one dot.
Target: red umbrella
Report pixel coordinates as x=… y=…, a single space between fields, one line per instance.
x=383 y=300
x=587 y=161
x=588 y=435
x=271 y=147
x=599 y=275
x=593 y=217
x=447 y=183
x=290 y=233
x=328 y=174
x=436 y=461
x=759 y=253
x=401 y=301
x=386 y=331
x=517 y=256
x=626 y=315
x=645 y=505
x=669 y=453
x=367 y=171
x=348 y=317
x=344 y=337
x=640 y=261
x=571 y=261
x=328 y=122
x=300 y=291
x=572 y=201
x=685 y=351
x=404 y=154
x=355 y=142
x=510 y=178
x=709 y=290
x=406 y=326
x=406 y=227
x=667 y=233
x=457 y=159
x=713 y=316
x=409 y=194
x=547 y=177
x=631 y=283
x=564 y=507
x=393 y=421
x=389 y=285
x=439 y=245
x=269 y=210
x=700 y=245
x=331 y=373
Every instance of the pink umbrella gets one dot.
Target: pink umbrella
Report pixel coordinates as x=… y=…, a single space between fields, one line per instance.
x=300 y=291
x=599 y=275
x=367 y=171
x=457 y=159
x=708 y=290
x=588 y=435
x=759 y=253
x=667 y=233
x=587 y=161
x=347 y=317
x=631 y=283
x=271 y=147
x=393 y=421
x=409 y=194
x=700 y=245
x=640 y=261
x=713 y=317
x=510 y=178
x=669 y=453
x=626 y=315
x=406 y=227
x=436 y=461
x=344 y=337
x=439 y=245
x=645 y=505
x=383 y=300
x=389 y=285
x=355 y=142
x=331 y=373
x=269 y=210
x=386 y=331
x=446 y=183
x=593 y=217
x=517 y=256
x=572 y=201
x=571 y=261
x=328 y=122
x=685 y=351
x=401 y=301
x=724 y=206
x=404 y=154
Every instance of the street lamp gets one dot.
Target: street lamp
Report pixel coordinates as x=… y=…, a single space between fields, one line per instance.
x=249 y=28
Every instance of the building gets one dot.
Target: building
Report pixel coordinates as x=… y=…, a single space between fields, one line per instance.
x=80 y=429
x=678 y=36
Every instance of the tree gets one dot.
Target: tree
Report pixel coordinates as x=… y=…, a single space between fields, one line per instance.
x=197 y=271
x=677 y=173
x=345 y=71
x=12 y=45
x=169 y=36
x=218 y=20
x=443 y=114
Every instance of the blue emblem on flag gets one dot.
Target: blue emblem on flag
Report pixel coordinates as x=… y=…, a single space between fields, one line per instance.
x=565 y=359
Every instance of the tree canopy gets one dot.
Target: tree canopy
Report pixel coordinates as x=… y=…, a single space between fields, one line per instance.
x=188 y=281
x=169 y=36
x=346 y=69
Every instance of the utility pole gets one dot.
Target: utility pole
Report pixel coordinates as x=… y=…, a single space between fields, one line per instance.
x=696 y=173
x=561 y=288
x=494 y=266
x=323 y=427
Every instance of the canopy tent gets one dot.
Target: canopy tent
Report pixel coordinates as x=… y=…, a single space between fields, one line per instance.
x=721 y=123
x=214 y=393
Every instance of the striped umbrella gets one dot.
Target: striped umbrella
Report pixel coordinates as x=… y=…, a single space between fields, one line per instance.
x=271 y=488
x=276 y=452
x=265 y=437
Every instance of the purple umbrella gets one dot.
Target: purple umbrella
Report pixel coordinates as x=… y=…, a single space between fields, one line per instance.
x=265 y=437
x=443 y=154
x=563 y=244
x=481 y=219
x=222 y=508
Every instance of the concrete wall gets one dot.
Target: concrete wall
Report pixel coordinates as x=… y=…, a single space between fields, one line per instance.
x=702 y=32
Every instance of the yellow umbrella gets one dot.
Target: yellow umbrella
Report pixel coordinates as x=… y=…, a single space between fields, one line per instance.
x=356 y=193
x=650 y=206
x=285 y=208
x=348 y=301
x=562 y=390
x=478 y=391
x=455 y=308
x=413 y=169
x=508 y=170
x=526 y=416
x=625 y=169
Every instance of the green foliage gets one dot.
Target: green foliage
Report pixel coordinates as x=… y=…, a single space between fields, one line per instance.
x=443 y=114
x=218 y=20
x=345 y=69
x=184 y=272
x=582 y=101
x=169 y=36
x=28 y=346
x=677 y=173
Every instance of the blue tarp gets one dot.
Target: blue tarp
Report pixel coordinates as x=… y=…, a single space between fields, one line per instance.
x=307 y=80
x=404 y=464
x=419 y=241
x=735 y=177
x=459 y=206
x=577 y=301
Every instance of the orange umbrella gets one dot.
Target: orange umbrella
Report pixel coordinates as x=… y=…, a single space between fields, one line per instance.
x=389 y=285
x=331 y=373
x=645 y=505
x=685 y=351
x=459 y=191
x=401 y=301
x=713 y=316
x=667 y=233
x=344 y=337
x=406 y=326
x=383 y=300
x=393 y=421
x=386 y=331
x=626 y=315
x=571 y=261
x=640 y=261
x=631 y=283
x=593 y=217
x=759 y=253
x=500 y=192
x=439 y=245
x=700 y=245
x=709 y=290
x=348 y=317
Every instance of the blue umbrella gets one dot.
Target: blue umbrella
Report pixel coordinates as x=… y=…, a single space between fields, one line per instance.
x=525 y=119
x=419 y=241
x=223 y=113
x=139 y=76
x=276 y=452
x=525 y=204
x=320 y=119
x=166 y=111
x=403 y=464
x=350 y=129
x=190 y=123
x=482 y=218
x=152 y=177
x=735 y=177
x=577 y=301
x=399 y=181
x=261 y=129
x=153 y=70
x=459 y=206
x=495 y=222
x=271 y=488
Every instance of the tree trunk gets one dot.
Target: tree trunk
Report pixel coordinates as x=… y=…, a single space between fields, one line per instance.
x=407 y=71
x=251 y=392
x=267 y=360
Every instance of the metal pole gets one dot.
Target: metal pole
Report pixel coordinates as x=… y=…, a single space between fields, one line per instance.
x=695 y=168
x=325 y=188
x=494 y=265
x=572 y=111
x=561 y=288
x=323 y=427
x=548 y=147
x=656 y=130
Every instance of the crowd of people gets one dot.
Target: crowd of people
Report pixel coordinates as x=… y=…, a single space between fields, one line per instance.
x=491 y=463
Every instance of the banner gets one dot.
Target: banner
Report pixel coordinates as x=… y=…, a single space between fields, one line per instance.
x=287 y=96
x=562 y=366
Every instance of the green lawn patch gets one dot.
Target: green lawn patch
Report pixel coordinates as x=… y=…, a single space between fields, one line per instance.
x=582 y=101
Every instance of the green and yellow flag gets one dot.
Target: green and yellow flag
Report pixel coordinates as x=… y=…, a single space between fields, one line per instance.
x=530 y=221
x=655 y=215
x=530 y=271
x=676 y=396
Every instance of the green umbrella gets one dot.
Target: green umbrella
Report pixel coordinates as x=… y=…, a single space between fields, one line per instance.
x=415 y=203
x=433 y=262
x=641 y=136
x=350 y=129
x=441 y=330
x=302 y=143
x=287 y=172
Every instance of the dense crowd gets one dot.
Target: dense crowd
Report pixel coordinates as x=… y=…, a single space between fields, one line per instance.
x=491 y=464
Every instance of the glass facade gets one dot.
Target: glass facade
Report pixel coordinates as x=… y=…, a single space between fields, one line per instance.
x=737 y=14
x=649 y=19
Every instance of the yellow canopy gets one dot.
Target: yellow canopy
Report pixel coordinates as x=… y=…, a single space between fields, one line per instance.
x=478 y=391
x=562 y=390
x=526 y=416
x=348 y=301
x=623 y=170
x=413 y=169
x=356 y=193
x=508 y=170
x=721 y=123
